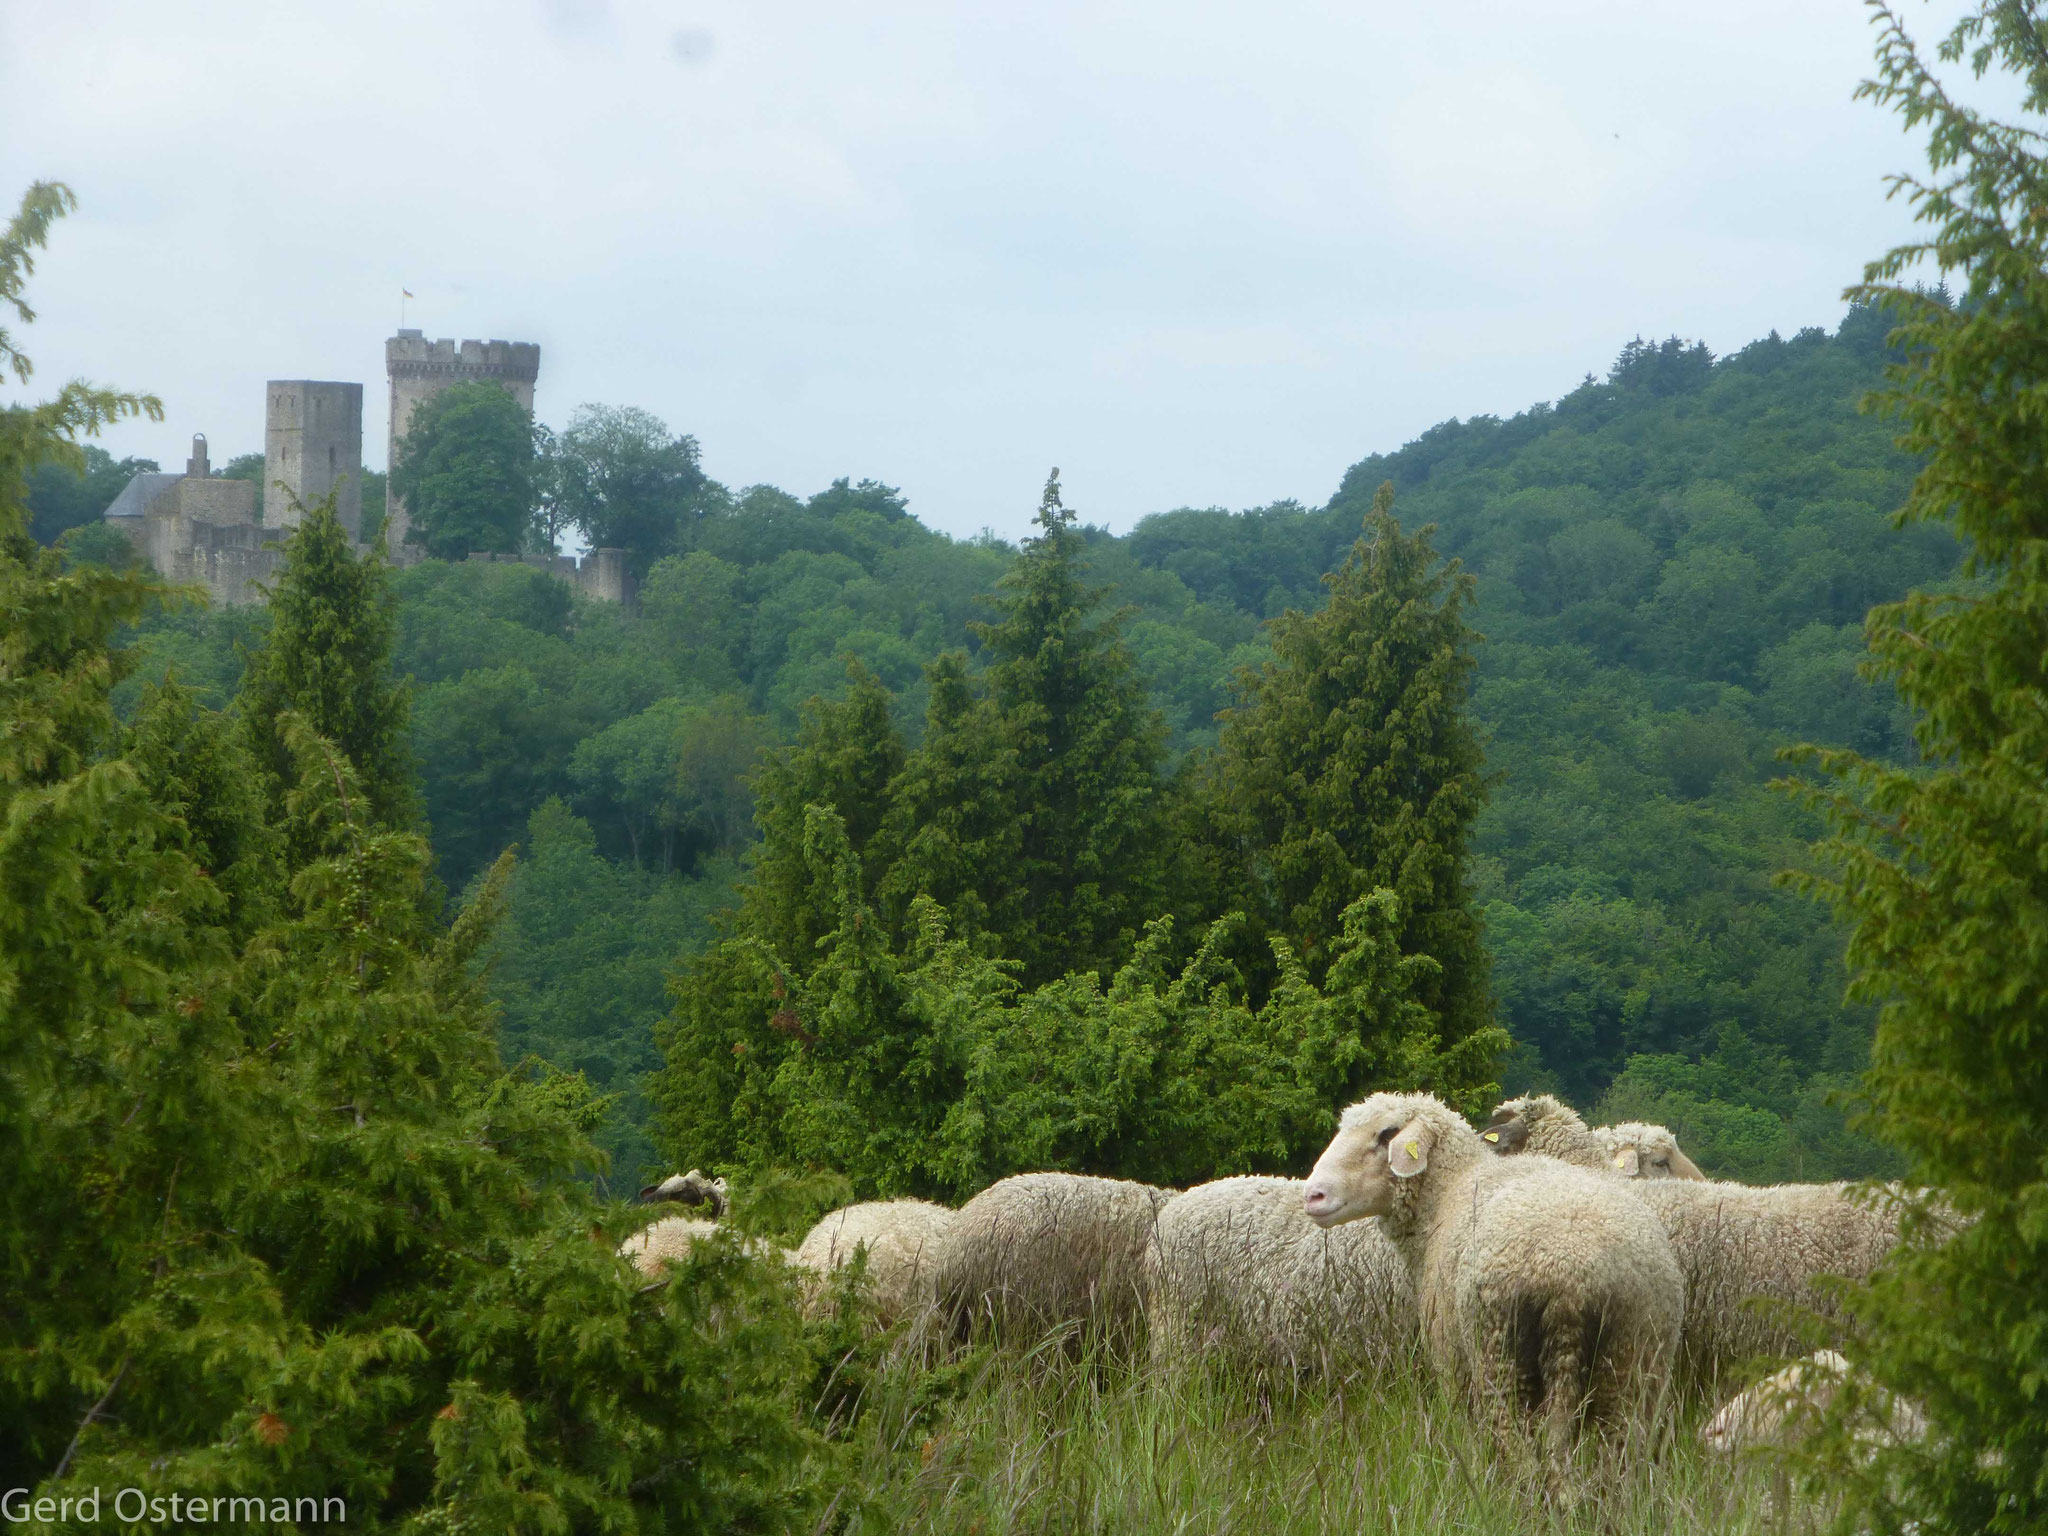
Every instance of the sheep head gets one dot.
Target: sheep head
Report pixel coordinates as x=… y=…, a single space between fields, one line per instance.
x=1380 y=1145
x=1641 y=1151
x=1507 y=1132
x=691 y=1188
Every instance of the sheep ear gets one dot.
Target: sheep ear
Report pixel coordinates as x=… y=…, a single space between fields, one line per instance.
x=1628 y=1160
x=1509 y=1137
x=1408 y=1154
x=1684 y=1166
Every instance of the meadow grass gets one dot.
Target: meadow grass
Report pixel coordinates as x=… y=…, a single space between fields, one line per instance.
x=1040 y=1441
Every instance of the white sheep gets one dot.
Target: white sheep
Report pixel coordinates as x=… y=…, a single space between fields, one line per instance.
x=1540 y=1122
x=692 y=1188
x=1038 y=1251
x=1543 y=1289
x=1237 y=1266
x=901 y=1238
x=1640 y=1151
x=1780 y=1410
x=668 y=1239
x=1754 y=1259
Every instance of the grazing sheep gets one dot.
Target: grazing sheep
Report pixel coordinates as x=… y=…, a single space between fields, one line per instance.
x=1542 y=1287
x=1037 y=1251
x=1237 y=1265
x=691 y=1188
x=1540 y=1122
x=902 y=1239
x=669 y=1238
x=1640 y=1151
x=1753 y=1259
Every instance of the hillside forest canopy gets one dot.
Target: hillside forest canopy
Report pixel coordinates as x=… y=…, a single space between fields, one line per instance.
x=1669 y=566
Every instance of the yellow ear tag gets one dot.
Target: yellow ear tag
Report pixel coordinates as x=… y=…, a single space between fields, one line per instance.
x=1621 y=1158
x=1489 y=1136
x=1411 y=1149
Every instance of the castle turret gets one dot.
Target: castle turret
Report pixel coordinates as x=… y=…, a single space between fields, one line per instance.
x=313 y=443
x=420 y=369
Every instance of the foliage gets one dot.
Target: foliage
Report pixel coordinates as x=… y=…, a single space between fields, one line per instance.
x=62 y=497
x=249 y=466
x=1350 y=763
x=675 y=777
x=277 y=1224
x=927 y=1069
x=580 y=967
x=465 y=471
x=1073 y=746
x=327 y=658
x=98 y=543
x=616 y=475
x=1939 y=870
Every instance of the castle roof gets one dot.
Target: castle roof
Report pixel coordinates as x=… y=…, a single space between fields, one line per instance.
x=139 y=494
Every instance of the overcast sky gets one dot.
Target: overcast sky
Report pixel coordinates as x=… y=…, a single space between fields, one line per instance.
x=1193 y=253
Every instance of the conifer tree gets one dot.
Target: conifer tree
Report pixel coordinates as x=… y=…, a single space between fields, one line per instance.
x=728 y=1035
x=1046 y=796
x=847 y=754
x=1939 y=869
x=1349 y=764
x=194 y=764
x=124 y=1113
x=328 y=658
x=951 y=821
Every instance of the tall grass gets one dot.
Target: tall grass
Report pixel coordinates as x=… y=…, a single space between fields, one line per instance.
x=1042 y=1441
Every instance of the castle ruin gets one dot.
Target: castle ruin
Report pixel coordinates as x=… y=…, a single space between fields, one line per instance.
x=198 y=529
x=313 y=444
x=201 y=529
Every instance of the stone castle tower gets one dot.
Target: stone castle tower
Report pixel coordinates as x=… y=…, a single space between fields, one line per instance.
x=312 y=442
x=420 y=369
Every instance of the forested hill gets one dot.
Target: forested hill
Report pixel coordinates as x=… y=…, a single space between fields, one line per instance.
x=1673 y=567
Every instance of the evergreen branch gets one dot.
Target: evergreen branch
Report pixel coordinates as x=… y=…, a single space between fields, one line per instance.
x=86 y=1423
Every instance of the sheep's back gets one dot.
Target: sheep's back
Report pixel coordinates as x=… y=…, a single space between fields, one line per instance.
x=902 y=1239
x=1237 y=1265
x=1534 y=1229
x=1038 y=1250
x=1752 y=1257
x=669 y=1238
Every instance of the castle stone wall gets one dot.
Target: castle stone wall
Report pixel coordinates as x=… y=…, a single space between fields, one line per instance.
x=602 y=574
x=313 y=442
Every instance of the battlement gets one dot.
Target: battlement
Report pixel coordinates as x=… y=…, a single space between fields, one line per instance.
x=410 y=355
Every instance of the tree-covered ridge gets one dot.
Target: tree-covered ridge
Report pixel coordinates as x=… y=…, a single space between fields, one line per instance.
x=1670 y=570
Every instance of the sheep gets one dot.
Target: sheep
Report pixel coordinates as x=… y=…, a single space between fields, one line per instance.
x=1778 y=1410
x=691 y=1188
x=1539 y=1122
x=1542 y=1123
x=1753 y=1258
x=901 y=1238
x=1238 y=1265
x=1038 y=1251
x=1640 y=1151
x=1542 y=1287
x=669 y=1238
